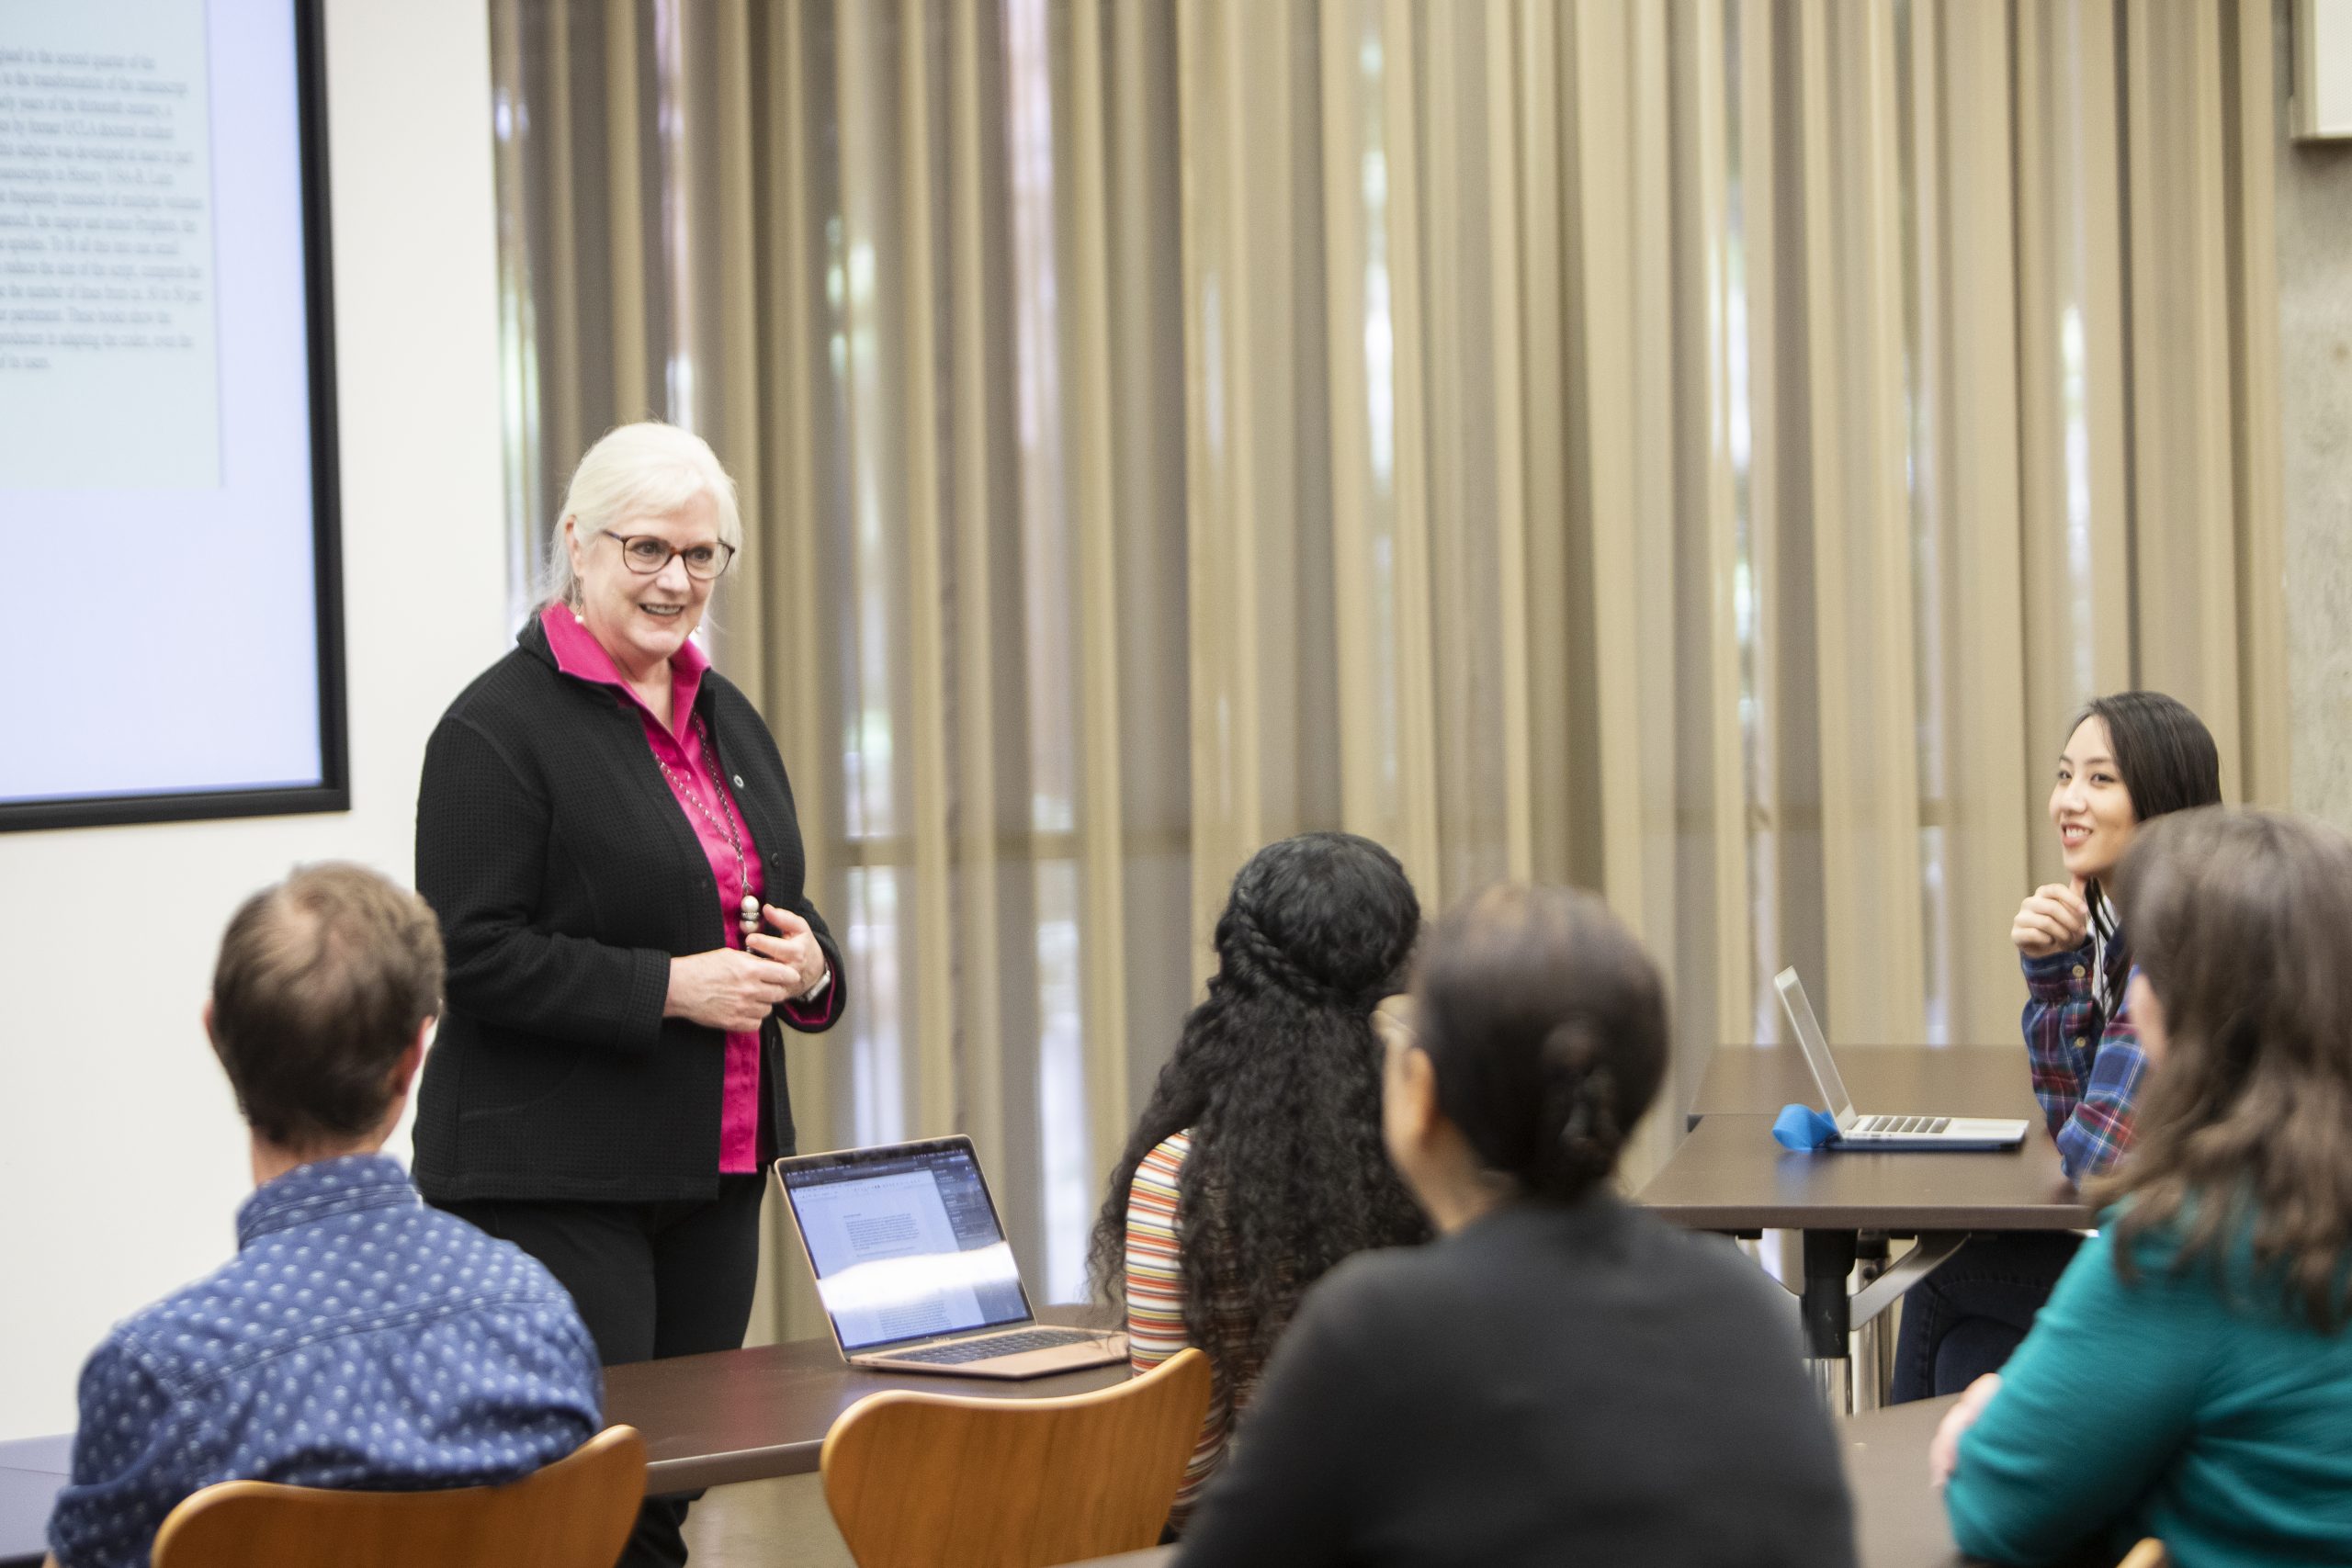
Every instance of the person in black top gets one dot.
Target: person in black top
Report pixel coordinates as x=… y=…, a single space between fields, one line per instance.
x=1559 y=1377
x=606 y=830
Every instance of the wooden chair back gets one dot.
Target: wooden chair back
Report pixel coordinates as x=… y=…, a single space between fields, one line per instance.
x=575 y=1513
x=2149 y=1554
x=922 y=1480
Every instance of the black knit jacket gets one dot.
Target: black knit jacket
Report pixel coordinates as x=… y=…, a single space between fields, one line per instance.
x=566 y=877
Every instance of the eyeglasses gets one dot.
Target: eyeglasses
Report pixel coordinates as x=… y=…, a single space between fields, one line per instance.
x=647 y=554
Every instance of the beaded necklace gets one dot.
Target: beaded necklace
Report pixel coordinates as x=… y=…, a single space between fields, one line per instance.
x=723 y=821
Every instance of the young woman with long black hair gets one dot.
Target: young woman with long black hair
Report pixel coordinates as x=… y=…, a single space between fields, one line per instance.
x=2129 y=758
x=2189 y=1378
x=2132 y=757
x=1257 y=1165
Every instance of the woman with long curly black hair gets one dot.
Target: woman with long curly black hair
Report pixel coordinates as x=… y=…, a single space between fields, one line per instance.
x=1258 y=1164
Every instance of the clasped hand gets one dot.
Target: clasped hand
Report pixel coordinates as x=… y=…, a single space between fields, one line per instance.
x=2054 y=919
x=735 y=990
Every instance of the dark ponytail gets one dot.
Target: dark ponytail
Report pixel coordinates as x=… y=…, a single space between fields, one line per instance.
x=1583 y=1092
x=1545 y=1024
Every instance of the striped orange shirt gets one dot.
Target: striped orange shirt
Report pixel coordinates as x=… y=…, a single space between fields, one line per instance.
x=1155 y=1292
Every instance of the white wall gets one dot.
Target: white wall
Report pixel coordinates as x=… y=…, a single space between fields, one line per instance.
x=2315 y=418
x=121 y=1156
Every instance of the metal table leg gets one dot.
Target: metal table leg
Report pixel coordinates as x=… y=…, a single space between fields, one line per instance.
x=1873 y=1351
x=1848 y=1345
x=1824 y=1309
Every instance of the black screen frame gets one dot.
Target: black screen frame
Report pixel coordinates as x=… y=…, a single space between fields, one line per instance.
x=333 y=792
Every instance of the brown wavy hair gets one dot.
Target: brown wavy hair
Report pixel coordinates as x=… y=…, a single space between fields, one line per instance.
x=2242 y=925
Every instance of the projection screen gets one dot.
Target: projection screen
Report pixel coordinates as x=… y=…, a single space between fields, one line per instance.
x=167 y=475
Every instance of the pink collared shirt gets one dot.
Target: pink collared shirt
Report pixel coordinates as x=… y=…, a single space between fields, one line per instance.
x=578 y=653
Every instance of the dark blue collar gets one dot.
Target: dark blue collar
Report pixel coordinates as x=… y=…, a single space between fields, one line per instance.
x=323 y=1189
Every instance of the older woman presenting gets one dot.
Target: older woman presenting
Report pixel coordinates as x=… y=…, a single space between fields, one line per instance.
x=606 y=830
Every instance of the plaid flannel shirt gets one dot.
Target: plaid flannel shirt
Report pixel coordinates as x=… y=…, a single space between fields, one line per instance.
x=2087 y=1070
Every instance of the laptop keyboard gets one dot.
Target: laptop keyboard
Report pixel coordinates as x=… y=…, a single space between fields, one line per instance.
x=1903 y=1126
x=995 y=1345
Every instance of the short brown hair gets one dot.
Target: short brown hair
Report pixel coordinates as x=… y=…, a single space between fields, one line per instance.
x=2242 y=925
x=322 y=981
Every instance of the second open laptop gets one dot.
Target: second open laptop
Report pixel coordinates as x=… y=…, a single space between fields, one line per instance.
x=1882 y=1132
x=913 y=1268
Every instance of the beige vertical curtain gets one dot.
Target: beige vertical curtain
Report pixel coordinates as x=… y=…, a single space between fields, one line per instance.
x=1701 y=450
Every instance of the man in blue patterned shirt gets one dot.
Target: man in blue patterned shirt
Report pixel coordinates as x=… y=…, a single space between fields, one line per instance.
x=359 y=1338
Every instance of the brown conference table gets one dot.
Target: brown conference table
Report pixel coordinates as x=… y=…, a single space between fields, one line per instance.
x=1730 y=1176
x=1898 y=1519
x=748 y=1415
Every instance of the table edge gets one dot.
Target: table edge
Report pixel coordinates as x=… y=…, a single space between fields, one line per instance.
x=2046 y=1217
x=700 y=1472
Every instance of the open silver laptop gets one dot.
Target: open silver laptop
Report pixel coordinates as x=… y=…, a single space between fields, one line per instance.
x=913 y=1268
x=1883 y=1131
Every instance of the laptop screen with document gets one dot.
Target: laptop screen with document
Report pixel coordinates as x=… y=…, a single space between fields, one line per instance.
x=905 y=1243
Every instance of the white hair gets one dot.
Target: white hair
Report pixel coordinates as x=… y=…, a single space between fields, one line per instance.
x=637 y=470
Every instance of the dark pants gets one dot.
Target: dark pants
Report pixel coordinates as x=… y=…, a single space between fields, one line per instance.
x=1962 y=1321
x=650 y=1281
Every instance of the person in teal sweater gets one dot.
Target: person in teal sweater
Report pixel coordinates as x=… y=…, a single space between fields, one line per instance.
x=2191 y=1378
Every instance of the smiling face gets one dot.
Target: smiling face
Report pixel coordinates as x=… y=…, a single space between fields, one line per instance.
x=640 y=621
x=2089 y=803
